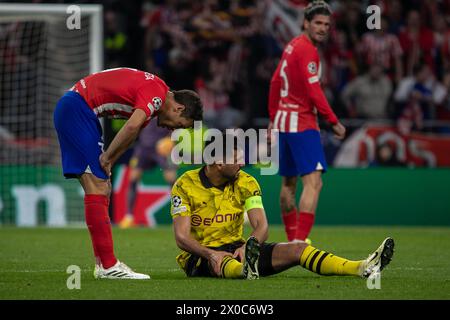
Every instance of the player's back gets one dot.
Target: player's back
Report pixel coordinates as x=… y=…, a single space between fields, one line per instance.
x=299 y=65
x=117 y=92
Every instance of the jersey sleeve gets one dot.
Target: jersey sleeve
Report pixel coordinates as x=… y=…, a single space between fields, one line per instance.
x=308 y=65
x=150 y=97
x=251 y=195
x=274 y=93
x=180 y=203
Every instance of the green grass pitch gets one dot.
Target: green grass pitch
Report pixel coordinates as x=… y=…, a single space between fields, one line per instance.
x=33 y=265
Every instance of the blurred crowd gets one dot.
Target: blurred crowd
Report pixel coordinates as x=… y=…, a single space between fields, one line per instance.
x=226 y=50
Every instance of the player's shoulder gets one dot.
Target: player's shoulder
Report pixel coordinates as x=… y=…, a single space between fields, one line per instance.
x=188 y=178
x=303 y=46
x=247 y=182
x=245 y=177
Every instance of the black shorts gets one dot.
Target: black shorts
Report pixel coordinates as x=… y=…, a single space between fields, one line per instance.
x=198 y=267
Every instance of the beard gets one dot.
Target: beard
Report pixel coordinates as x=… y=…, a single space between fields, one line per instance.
x=232 y=177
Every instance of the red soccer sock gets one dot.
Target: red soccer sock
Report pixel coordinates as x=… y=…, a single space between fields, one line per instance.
x=304 y=225
x=99 y=225
x=290 y=223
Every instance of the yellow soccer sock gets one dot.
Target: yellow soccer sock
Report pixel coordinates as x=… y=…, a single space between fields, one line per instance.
x=325 y=263
x=231 y=268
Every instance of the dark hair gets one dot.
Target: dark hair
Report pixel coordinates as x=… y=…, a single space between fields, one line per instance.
x=316 y=7
x=192 y=103
x=226 y=138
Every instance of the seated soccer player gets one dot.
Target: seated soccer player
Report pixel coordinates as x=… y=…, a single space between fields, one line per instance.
x=208 y=207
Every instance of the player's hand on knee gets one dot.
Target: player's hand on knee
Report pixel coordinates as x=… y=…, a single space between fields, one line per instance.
x=105 y=163
x=239 y=253
x=215 y=261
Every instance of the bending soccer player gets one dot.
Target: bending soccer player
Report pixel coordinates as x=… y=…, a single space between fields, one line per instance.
x=119 y=93
x=208 y=207
x=295 y=97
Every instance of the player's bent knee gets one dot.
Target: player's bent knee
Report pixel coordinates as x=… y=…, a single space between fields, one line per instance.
x=315 y=186
x=319 y=184
x=289 y=182
x=103 y=189
x=297 y=248
x=93 y=185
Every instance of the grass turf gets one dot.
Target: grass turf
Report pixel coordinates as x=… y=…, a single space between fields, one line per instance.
x=33 y=265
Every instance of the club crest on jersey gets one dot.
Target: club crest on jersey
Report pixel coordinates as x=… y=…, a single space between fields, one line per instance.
x=176 y=201
x=312 y=67
x=157 y=102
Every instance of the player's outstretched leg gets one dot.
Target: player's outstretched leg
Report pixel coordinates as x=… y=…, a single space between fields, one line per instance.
x=119 y=271
x=326 y=263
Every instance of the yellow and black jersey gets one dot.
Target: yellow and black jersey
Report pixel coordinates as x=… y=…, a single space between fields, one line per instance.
x=217 y=213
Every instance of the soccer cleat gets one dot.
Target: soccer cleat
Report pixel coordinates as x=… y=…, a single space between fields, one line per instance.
x=251 y=258
x=118 y=271
x=378 y=260
x=97 y=270
x=126 y=222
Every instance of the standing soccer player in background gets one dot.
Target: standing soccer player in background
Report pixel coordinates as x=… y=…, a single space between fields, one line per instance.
x=119 y=93
x=295 y=98
x=151 y=151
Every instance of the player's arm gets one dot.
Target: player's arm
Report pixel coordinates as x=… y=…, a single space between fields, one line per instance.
x=184 y=240
x=255 y=211
x=181 y=214
x=123 y=139
x=258 y=221
x=308 y=66
x=274 y=98
x=274 y=93
x=253 y=204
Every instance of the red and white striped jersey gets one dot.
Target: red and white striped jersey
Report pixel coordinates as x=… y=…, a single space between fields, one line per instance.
x=116 y=93
x=380 y=49
x=295 y=94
